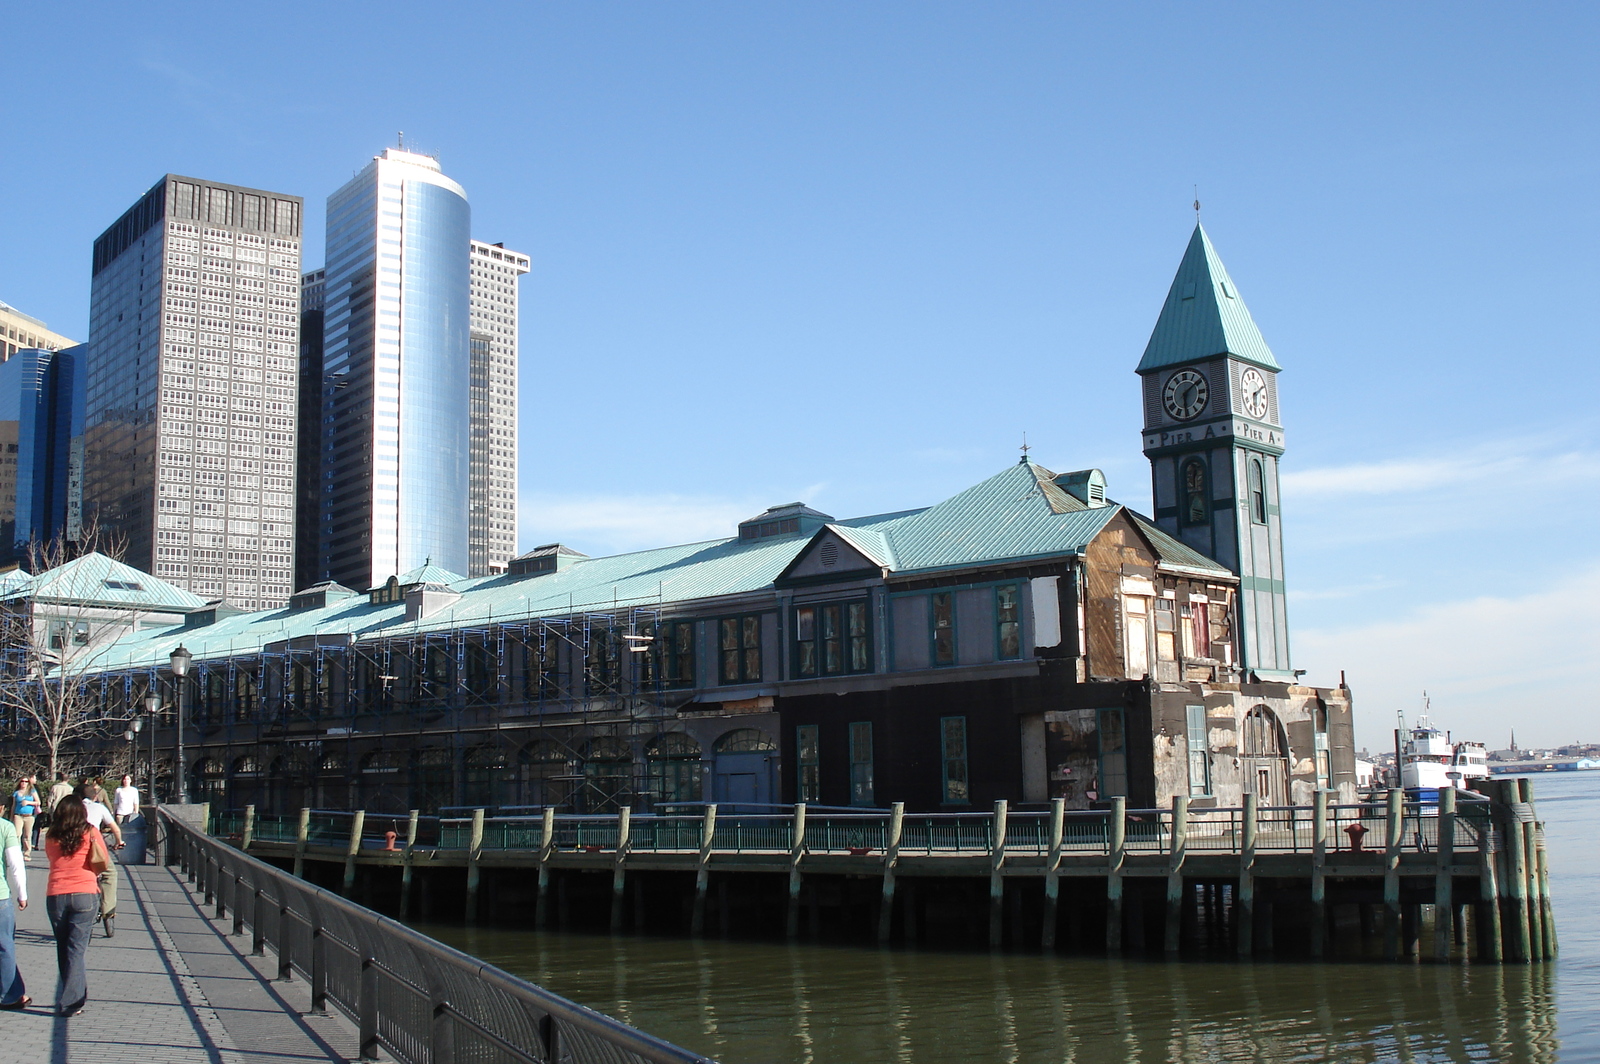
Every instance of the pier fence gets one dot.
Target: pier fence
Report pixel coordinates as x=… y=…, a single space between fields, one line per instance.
x=418 y=999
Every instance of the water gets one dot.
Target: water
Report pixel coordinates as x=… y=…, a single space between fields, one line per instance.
x=765 y=1003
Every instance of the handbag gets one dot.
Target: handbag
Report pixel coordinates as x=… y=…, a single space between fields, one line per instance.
x=99 y=858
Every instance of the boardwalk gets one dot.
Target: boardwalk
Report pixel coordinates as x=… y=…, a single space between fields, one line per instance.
x=171 y=988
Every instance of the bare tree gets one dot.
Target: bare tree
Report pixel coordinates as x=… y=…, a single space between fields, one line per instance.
x=52 y=641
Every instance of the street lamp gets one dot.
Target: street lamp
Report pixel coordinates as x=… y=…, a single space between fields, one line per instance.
x=180 y=660
x=132 y=735
x=152 y=706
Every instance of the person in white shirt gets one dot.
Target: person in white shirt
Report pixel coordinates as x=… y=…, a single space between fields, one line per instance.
x=125 y=801
x=100 y=819
x=13 y=992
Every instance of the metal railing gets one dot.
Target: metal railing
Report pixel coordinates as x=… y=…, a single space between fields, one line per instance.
x=422 y=1001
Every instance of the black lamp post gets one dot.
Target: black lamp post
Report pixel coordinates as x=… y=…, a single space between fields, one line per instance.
x=180 y=660
x=152 y=706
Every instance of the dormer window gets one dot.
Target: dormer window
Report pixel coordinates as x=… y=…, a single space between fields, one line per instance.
x=791 y=518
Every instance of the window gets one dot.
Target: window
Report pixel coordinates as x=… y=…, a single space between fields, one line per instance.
x=1196 y=623
x=1136 y=635
x=832 y=638
x=673 y=653
x=1008 y=622
x=953 y=743
x=943 y=619
x=1166 y=649
x=674 y=768
x=740 y=641
x=861 y=763
x=809 y=779
x=1320 y=744
x=1199 y=753
x=1113 y=754
x=1194 y=507
x=1258 y=492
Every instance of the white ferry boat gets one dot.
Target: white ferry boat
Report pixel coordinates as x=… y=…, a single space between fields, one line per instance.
x=1429 y=760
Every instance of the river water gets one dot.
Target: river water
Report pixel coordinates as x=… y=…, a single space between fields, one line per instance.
x=766 y=1003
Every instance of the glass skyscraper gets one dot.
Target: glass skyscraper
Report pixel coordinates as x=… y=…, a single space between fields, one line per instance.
x=41 y=430
x=396 y=359
x=189 y=450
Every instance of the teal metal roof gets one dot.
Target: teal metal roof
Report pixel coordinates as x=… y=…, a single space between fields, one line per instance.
x=95 y=579
x=1175 y=552
x=13 y=580
x=1204 y=315
x=428 y=573
x=1016 y=514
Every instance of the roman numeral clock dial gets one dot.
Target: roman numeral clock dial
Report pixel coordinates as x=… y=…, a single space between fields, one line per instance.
x=1185 y=394
x=1253 y=394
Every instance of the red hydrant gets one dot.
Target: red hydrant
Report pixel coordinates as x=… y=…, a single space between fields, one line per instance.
x=388 y=840
x=1355 y=831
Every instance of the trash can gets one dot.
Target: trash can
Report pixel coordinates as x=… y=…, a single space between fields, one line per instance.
x=134 y=838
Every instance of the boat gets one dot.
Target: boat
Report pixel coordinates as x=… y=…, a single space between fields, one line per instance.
x=1430 y=760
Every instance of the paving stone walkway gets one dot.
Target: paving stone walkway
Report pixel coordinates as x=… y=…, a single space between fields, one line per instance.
x=172 y=987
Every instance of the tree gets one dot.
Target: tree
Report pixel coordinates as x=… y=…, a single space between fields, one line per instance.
x=53 y=637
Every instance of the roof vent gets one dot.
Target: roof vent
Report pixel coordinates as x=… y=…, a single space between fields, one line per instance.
x=425 y=600
x=789 y=519
x=1088 y=486
x=319 y=595
x=546 y=559
x=210 y=613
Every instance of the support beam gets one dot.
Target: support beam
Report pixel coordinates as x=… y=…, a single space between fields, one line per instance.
x=1177 y=847
x=547 y=842
x=1319 y=879
x=1444 y=909
x=406 y=865
x=301 y=834
x=702 y=875
x=1517 y=873
x=997 y=882
x=797 y=848
x=1052 y=873
x=1116 y=850
x=249 y=833
x=358 y=822
x=1490 y=946
x=891 y=854
x=619 y=873
x=474 y=856
x=1244 y=918
x=1394 y=838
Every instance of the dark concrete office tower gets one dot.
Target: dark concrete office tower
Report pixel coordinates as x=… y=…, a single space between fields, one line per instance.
x=396 y=411
x=190 y=410
x=308 y=433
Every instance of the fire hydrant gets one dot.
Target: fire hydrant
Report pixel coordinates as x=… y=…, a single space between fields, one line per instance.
x=388 y=840
x=1355 y=831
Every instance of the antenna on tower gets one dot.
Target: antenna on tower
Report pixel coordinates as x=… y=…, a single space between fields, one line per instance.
x=1197 y=204
x=403 y=148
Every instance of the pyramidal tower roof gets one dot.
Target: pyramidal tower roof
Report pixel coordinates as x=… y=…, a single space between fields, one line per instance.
x=1204 y=315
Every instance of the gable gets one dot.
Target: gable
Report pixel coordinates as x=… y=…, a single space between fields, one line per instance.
x=829 y=555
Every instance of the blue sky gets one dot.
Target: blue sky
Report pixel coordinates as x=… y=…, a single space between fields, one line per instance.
x=849 y=253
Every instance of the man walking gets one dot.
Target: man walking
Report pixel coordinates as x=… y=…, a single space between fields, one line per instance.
x=100 y=819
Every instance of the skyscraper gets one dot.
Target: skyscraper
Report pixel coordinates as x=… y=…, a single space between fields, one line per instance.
x=41 y=429
x=396 y=372
x=190 y=408
x=308 y=431
x=493 y=524
x=19 y=331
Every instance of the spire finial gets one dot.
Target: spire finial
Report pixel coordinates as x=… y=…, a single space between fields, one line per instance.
x=1025 y=448
x=1197 y=205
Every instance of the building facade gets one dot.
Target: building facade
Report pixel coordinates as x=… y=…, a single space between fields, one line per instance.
x=19 y=331
x=190 y=404
x=492 y=532
x=396 y=373
x=309 y=430
x=41 y=428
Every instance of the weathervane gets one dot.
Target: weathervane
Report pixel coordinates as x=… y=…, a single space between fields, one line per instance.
x=1025 y=447
x=1197 y=204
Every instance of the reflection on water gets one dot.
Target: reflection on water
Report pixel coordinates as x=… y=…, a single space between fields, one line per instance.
x=765 y=1003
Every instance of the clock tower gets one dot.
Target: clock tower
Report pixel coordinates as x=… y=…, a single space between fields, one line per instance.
x=1213 y=437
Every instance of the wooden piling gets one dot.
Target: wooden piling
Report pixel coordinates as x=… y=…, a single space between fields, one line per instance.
x=1052 y=873
x=1549 y=922
x=797 y=848
x=1116 y=850
x=1517 y=873
x=891 y=855
x=1244 y=920
x=301 y=834
x=474 y=856
x=1394 y=838
x=997 y=882
x=1490 y=945
x=547 y=842
x=1319 y=879
x=1443 y=880
x=249 y=833
x=619 y=868
x=358 y=822
x=1176 y=847
x=406 y=864
x=702 y=875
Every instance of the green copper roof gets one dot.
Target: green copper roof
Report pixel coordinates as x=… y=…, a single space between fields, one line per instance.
x=428 y=573
x=1204 y=315
x=102 y=581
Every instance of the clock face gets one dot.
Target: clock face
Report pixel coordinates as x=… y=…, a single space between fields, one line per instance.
x=1185 y=394
x=1253 y=394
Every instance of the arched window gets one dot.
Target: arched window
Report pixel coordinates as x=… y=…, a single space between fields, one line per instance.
x=246 y=766
x=608 y=775
x=1258 y=492
x=675 y=771
x=1261 y=734
x=549 y=773
x=432 y=779
x=1263 y=756
x=1194 y=504
x=745 y=741
x=485 y=774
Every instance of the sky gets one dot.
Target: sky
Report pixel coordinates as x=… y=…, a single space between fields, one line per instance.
x=849 y=253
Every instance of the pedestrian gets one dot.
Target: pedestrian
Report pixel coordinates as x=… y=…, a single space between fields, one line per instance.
x=100 y=818
x=13 y=896
x=77 y=854
x=58 y=790
x=24 y=807
x=125 y=801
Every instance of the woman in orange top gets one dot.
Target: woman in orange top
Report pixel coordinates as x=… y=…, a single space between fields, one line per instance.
x=72 y=898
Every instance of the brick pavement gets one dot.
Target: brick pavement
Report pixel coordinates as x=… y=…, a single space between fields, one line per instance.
x=172 y=987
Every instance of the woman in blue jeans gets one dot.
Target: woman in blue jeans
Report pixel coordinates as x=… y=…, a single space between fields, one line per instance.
x=72 y=898
x=13 y=896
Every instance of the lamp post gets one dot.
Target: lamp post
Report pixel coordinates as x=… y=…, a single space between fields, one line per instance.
x=152 y=706
x=132 y=735
x=180 y=660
